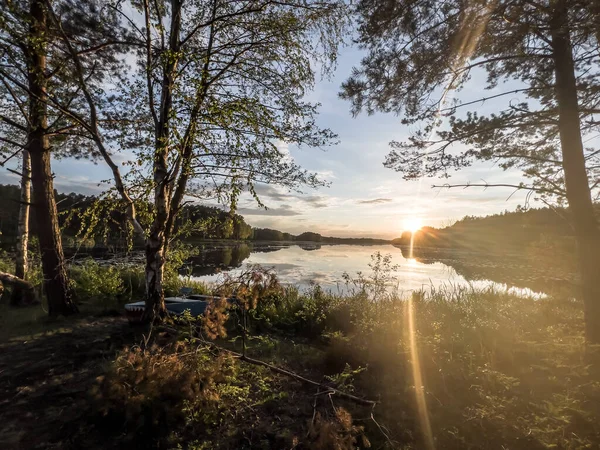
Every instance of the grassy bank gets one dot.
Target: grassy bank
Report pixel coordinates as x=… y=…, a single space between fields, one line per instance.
x=457 y=368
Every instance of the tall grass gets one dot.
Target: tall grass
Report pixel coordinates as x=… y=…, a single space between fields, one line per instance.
x=497 y=369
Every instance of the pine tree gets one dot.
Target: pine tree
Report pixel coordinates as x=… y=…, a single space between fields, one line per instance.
x=542 y=65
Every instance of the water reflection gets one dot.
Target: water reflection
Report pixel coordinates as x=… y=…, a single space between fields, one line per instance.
x=215 y=259
x=513 y=270
x=325 y=264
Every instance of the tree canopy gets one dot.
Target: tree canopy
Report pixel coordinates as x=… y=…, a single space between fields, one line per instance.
x=422 y=58
x=546 y=54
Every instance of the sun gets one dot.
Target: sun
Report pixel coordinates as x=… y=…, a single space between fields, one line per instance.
x=413 y=224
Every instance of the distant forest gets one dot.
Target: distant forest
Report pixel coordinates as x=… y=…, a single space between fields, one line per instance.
x=75 y=212
x=503 y=232
x=507 y=231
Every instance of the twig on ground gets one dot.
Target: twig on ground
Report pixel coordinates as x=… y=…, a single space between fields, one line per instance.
x=276 y=369
x=334 y=391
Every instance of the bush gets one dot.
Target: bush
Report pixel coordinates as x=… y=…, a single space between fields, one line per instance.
x=493 y=366
x=148 y=392
x=99 y=284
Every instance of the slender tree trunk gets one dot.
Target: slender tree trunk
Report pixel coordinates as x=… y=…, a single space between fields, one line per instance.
x=17 y=297
x=576 y=179
x=155 y=267
x=156 y=243
x=56 y=283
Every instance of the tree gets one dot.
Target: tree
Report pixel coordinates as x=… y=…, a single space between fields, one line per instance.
x=266 y=234
x=36 y=66
x=543 y=53
x=12 y=143
x=23 y=228
x=219 y=85
x=309 y=236
x=24 y=44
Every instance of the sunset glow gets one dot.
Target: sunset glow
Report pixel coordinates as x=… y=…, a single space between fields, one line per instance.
x=413 y=224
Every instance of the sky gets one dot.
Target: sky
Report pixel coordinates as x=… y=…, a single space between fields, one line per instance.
x=364 y=199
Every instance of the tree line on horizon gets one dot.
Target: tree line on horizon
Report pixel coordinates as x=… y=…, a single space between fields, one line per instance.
x=196 y=221
x=508 y=231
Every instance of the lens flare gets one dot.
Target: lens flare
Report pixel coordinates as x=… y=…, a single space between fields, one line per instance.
x=418 y=377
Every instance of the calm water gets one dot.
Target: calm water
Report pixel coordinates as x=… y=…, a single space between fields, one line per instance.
x=325 y=264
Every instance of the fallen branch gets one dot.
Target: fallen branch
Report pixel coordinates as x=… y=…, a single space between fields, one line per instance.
x=19 y=283
x=328 y=389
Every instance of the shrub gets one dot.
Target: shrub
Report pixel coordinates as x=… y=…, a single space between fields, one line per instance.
x=100 y=284
x=150 y=392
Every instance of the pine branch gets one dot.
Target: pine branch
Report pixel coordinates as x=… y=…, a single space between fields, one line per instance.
x=559 y=193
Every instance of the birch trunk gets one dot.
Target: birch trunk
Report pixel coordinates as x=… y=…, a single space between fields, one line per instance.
x=17 y=297
x=156 y=241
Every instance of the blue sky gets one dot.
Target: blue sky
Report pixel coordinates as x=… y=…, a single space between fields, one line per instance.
x=364 y=198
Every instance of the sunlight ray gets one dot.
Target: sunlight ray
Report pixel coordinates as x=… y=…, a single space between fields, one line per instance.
x=418 y=377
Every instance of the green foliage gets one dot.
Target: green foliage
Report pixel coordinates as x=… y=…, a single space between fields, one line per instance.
x=500 y=44
x=147 y=390
x=34 y=264
x=178 y=254
x=6 y=265
x=34 y=267
x=344 y=379
x=88 y=221
x=134 y=282
x=185 y=394
x=266 y=234
x=379 y=283
x=496 y=367
x=100 y=284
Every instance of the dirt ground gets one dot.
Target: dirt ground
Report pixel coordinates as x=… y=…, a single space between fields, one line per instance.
x=45 y=380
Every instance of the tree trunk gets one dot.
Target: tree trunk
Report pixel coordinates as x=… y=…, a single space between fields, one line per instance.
x=27 y=290
x=576 y=179
x=56 y=283
x=155 y=266
x=17 y=297
x=156 y=243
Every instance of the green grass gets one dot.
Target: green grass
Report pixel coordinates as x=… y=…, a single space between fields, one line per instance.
x=497 y=371
x=496 y=368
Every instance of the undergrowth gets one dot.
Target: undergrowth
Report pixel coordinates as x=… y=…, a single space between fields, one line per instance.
x=453 y=367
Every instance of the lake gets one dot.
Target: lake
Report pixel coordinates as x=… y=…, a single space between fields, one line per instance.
x=304 y=264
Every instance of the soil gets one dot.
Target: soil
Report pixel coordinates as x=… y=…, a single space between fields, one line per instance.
x=45 y=380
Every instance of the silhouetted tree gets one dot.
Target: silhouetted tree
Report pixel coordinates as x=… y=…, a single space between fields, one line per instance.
x=26 y=35
x=219 y=83
x=38 y=72
x=548 y=51
x=13 y=135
